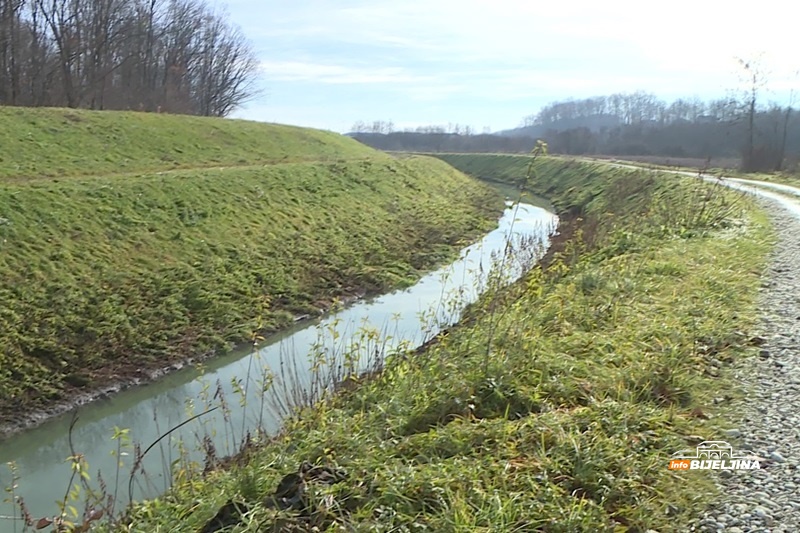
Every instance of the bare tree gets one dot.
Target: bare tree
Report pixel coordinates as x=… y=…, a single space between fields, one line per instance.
x=754 y=81
x=785 y=131
x=170 y=55
x=225 y=73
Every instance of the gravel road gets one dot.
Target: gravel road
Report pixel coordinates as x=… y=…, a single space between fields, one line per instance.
x=768 y=420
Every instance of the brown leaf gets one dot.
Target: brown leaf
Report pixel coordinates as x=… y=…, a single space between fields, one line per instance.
x=43 y=523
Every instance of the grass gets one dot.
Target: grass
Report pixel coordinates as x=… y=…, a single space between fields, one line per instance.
x=44 y=143
x=787 y=177
x=103 y=276
x=605 y=361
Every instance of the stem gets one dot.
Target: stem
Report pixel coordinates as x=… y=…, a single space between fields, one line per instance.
x=537 y=150
x=159 y=439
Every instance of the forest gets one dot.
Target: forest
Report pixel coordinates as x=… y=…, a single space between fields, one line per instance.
x=175 y=56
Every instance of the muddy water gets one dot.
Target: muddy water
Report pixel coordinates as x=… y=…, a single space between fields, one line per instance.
x=409 y=317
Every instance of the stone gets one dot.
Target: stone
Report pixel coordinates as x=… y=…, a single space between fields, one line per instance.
x=777 y=457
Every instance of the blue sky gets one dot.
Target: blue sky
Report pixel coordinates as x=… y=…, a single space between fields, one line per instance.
x=488 y=63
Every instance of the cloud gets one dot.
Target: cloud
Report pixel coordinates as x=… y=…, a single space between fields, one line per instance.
x=300 y=71
x=419 y=57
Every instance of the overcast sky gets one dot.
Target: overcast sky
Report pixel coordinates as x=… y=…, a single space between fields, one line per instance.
x=488 y=63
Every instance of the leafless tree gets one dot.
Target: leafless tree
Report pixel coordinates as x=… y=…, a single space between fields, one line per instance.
x=754 y=81
x=171 y=55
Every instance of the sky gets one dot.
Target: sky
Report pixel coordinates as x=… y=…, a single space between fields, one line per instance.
x=489 y=63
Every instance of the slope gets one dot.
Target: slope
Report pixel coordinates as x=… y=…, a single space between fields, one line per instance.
x=51 y=143
x=104 y=276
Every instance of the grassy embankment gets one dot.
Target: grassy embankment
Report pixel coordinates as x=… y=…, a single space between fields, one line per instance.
x=117 y=256
x=787 y=177
x=603 y=363
x=53 y=143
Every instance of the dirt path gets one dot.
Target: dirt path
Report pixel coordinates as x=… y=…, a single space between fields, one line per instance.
x=21 y=180
x=768 y=420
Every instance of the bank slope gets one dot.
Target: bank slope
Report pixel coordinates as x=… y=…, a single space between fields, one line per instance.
x=600 y=366
x=103 y=277
x=38 y=143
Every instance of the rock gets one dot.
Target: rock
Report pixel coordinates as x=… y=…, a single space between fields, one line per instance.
x=764 y=515
x=763 y=353
x=291 y=490
x=733 y=433
x=777 y=457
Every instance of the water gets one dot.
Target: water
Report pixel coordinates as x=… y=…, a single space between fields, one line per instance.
x=147 y=412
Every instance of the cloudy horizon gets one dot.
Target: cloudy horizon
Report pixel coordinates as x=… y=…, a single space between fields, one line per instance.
x=489 y=64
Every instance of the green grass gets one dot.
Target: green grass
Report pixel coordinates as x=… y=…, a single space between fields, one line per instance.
x=786 y=178
x=600 y=369
x=51 y=143
x=101 y=276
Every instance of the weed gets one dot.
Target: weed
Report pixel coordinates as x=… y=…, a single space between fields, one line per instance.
x=591 y=386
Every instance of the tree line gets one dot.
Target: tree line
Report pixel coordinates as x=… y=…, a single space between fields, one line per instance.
x=633 y=108
x=387 y=126
x=177 y=56
x=383 y=135
x=438 y=141
x=761 y=137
